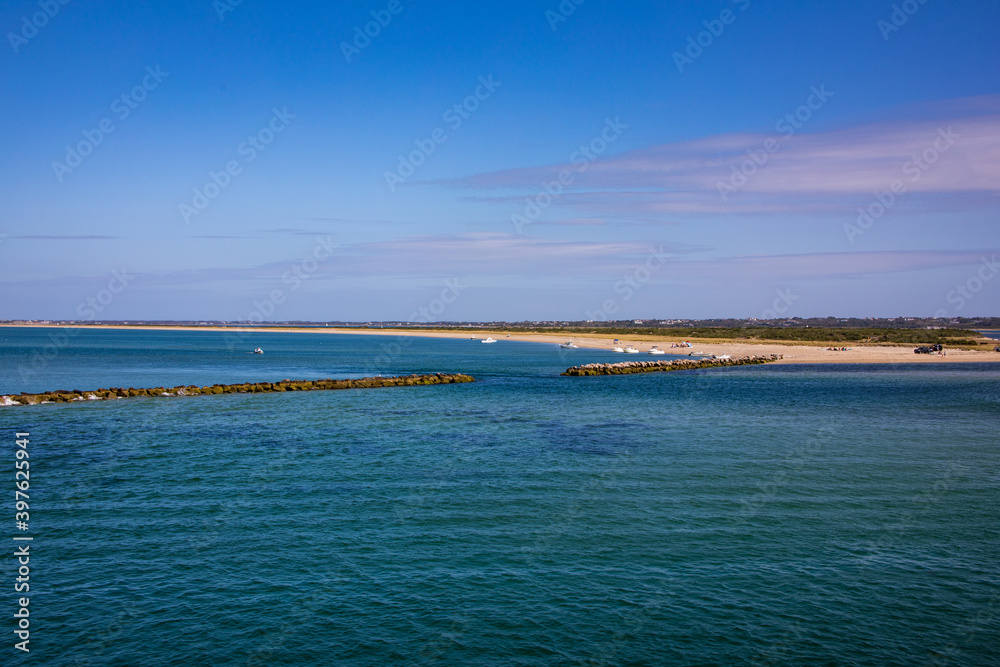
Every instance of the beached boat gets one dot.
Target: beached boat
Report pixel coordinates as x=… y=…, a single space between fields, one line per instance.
x=488 y=340
x=656 y=350
x=569 y=345
x=630 y=350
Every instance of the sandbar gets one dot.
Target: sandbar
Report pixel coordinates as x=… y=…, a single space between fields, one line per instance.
x=791 y=353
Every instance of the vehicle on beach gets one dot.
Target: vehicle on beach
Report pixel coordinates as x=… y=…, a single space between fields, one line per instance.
x=928 y=349
x=569 y=345
x=488 y=340
x=655 y=350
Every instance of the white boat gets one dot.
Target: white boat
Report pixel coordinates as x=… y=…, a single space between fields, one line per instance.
x=488 y=340
x=258 y=351
x=656 y=350
x=617 y=349
x=569 y=345
x=725 y=356
x=630 y=350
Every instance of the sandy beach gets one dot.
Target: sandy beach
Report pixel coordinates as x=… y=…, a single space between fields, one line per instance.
x=792 y=353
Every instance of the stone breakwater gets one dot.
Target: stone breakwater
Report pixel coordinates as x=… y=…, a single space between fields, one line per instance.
x=626 y=367
x=64 y=396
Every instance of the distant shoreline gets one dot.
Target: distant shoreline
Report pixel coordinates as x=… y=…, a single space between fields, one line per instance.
x=801 y=353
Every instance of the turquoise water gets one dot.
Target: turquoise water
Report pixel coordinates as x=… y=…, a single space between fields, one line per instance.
x=829 y=515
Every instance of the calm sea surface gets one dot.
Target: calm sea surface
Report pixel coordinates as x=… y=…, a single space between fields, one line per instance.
x=769 y=515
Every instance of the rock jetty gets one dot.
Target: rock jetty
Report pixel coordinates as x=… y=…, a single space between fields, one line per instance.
x=626 y=367
x=66 y=396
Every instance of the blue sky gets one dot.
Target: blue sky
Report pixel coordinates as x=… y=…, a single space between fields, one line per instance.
x=555 y=161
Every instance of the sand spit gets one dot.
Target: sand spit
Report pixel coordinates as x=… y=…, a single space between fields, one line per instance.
x=801 y=353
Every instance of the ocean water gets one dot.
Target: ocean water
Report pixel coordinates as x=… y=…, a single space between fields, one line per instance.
x=766 y=515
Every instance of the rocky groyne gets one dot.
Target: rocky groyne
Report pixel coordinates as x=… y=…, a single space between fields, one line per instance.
x=76 y=395
x=626 y=367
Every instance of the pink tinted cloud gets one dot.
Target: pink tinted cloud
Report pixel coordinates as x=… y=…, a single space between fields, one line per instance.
x=951 y=149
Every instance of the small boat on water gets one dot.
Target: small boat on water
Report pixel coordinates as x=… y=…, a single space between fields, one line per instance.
x=258 y=351
x=630 y=350
x=488 y=340
x=569 y=345
x=656 y=350
x=617 y=349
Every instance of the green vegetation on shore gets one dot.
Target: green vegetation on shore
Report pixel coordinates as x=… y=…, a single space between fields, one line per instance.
x=819 y=335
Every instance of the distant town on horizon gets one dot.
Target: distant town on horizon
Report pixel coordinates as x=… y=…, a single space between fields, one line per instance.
x=727 y=323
